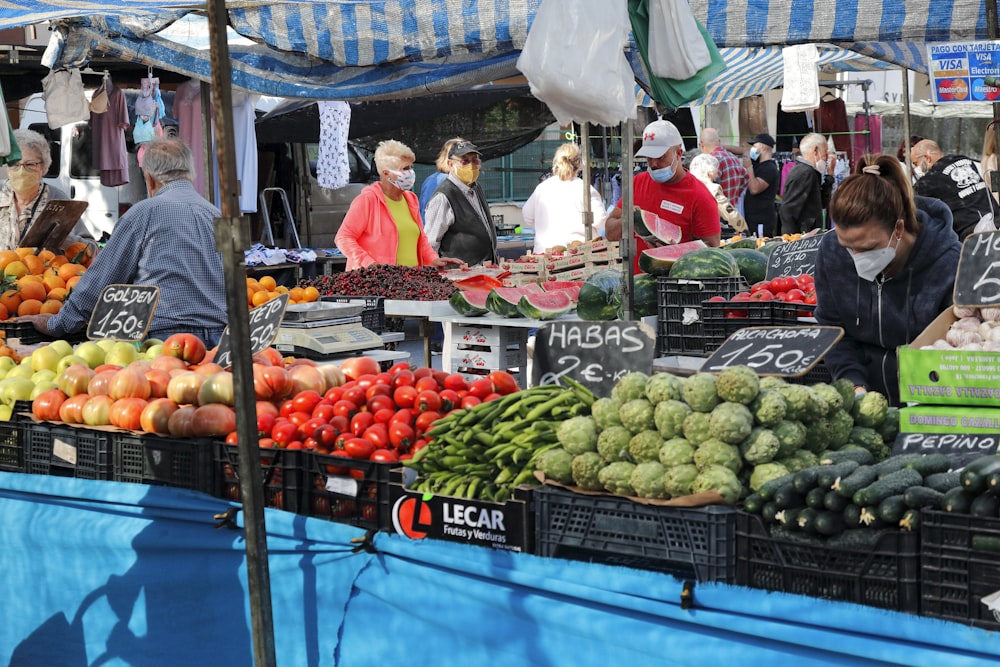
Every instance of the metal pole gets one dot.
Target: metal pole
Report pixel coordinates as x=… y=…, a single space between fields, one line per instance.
x=628 y=238
x=993 y=30
x=906 y=121
x=231 y=234
x=588 y=215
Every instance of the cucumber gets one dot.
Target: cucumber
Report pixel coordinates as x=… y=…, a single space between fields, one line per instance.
x=986 y=543
x=805 y=479
x=889 y=485
x=993 y=482
x=910 y=520
x=862 y=456
x=943 y=481
x=852 y=516
x=788 y=517
x=780 y=532
x=917 y=497
x=892 y=509
x=870 y=517
x=829 y=475
x=815 y=497
x=975 y=475
x=806 y=520
x=787 y=496
x=985 y=504
x=829 y=523
x=768 y=488
x=856 y=539
x=835 y=502
x=857 y=480
x=768 y=511
x=956 y=500
x=753 y=503
x=894 y=463
x=930 y=464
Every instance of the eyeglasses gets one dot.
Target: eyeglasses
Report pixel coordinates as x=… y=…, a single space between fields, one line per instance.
x=468 y=160
x=33 y=166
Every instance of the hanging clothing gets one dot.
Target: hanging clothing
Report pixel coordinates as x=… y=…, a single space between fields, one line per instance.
x=791 y=127
x=753 y=116
x=831 y=120
x=107 y=130
x=719 y=117
x=332 y=167
x=873 y=126
x=245 y=140
x=9 y=150
x=801 y=82
x=187 y=111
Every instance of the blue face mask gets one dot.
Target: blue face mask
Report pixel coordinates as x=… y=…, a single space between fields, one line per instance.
x=661 y=175
x=754 y=153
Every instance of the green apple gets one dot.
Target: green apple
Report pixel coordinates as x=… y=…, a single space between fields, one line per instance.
x=16 y=389
x=91 y=352
x=44 y=375
x=70 y=360
x=42 y=386
x=45 y=357
x=153 y=351
x=62 y=347
x=6 y=412
x=150 y=342
x=6 y=365
x=106 y=343
x=121 y=354
x=20 y=371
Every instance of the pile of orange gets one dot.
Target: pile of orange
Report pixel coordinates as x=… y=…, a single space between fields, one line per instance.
x=265 y=289
x=38 y=281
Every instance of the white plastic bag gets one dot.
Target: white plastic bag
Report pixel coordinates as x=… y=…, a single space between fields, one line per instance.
x=65 y=101
x=574 y=60
x=676 y=49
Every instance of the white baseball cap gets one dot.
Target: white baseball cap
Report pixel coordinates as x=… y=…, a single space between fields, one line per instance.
x=658 y=137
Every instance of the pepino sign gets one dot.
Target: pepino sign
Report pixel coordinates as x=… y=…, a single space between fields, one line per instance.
x=964 y=71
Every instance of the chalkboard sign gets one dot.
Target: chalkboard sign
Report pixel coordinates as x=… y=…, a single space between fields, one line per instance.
x=123 y=312
x=794 y=257
x=264 y=322
x=595 y=354
x=977 y=282
x=961 y=448
x=53 y=224
x=790 y=351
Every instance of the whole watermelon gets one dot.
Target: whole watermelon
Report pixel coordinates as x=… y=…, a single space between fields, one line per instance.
x=752 y=264
x=705 y=263
x=750 y=242
x=768 y=247
x=600 y=296
x=644 y=299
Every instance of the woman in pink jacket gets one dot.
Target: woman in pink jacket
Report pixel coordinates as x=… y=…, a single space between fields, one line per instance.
x=383 y=225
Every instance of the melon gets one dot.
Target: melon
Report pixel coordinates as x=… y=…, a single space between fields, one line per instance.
x=705 y=263
x=644 y=298
x=752 y=264
x=470 y=303
x=657 y=261
x=545 y=306
x=768 y=247
x=600 y=296
x=550 y=285
x=650 y=224
x=531 y=288
x=503 y=300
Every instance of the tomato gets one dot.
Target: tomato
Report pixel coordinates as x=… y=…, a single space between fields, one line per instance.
x=125 y=413
x=310 y=443
x=794 y=295
x=469 y=401
x=265 y=422
x=401 y=436
x=383 y=416
x=334 y=394
x=717 y=299
x=491 y=397
x=359 y=448
x=213 y=420
x=762 y=295
x=399 y=366
x=284 y=433
x=366 y=380
x=155 y=417
x=323 y=410
x=179 y=424
x=402 y=378
x=378 y=389
x=71 y=410
x=355 y=367
x=270 y=382
x=503 y=382
x=295 y=444
x=381 y=402
x=217 y=388
x=326 y=436
x=344 y=408
x=286 y=408
x=427 y=383
x=736 y=313
x=341 y=423
x=455 y=382
x=481 y=388
x=355 y=395
x=428 y=400
x=360 y=422
x=742 y=296
x=310 y=426
x=185 y=346
x=74 y=379
x=306 y=401
x=759 y=285
x=782 y=284
x=129 y=383
x=335 y=469
x=384 y=456
x=232 y=439
x=404 y=416
x=810 y=298
x=405 y=396
x=158 y=381
x=378 y=435
x=299 y=418
x=46 y=405
x=449 y=399
x=804 y=281
x=423 y=371
x=425 y=419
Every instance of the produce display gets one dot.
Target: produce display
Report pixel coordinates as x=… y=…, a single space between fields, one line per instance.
x=38 y=281
x=800 y=289
x=423 y=283
x=975 y=329
x=265 y=289
x=537 y=301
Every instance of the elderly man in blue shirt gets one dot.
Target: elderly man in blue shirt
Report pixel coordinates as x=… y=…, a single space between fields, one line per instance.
x=167 y=240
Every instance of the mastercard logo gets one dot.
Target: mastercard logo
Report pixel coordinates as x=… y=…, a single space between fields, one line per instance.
x=953 y=90
x=411 y=516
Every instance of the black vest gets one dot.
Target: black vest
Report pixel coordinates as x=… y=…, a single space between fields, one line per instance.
x=468 y=239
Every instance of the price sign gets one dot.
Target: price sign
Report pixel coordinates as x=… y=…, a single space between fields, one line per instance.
x=794 y=257
x=264 y=322
x=977 y=282
x=123 y=312
x=595 y=354
x=961 y=448
x=789 y=351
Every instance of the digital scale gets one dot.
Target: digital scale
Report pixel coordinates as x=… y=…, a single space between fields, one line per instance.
x=323 y=329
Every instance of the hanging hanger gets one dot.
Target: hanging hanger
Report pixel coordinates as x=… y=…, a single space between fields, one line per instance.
x=828 y=95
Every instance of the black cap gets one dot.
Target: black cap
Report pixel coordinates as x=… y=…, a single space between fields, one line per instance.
x=463 y=148
x=763 y=138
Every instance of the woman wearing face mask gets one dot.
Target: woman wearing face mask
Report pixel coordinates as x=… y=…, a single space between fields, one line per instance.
x=884 y=274
x=382 y=225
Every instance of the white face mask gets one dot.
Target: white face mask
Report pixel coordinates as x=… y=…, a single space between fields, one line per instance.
x=403 y=180
x=870 y=263
x=754 y=153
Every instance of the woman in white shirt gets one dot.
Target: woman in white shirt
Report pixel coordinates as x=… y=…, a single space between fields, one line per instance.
x=555 y=209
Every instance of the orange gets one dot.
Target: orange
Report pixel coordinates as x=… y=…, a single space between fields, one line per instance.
x=46 y=255
x=10 y=300
x=16 y=269
x=280 y=289
x=258 y=298
x=6 y=257
x=71 y=283
x=67 y=271
x=267 y=282
x=3 y=312
x=295 y=295
x=52 y=281
x=34 y=263
x=31 y=290
x=50 y=306
x=78 y=253
x=58 y=261
x=30 y=307
x=24 y=252
x=58 y=293
x=310 y=294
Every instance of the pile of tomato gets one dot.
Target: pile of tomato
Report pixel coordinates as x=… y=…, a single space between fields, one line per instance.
x=375 y=416
x=800 y=289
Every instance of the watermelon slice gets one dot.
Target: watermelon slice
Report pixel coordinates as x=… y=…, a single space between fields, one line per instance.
x=657 y=261
x=470 y=303
x=503 y=300
x=650 y=224
x=545 y=306
x=561 y=284
x=531 y=288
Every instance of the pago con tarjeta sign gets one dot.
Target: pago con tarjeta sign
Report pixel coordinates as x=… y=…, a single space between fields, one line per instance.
x=964 y=71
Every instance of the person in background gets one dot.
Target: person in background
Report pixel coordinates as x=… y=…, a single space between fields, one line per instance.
x=24 y=195
x=732 y=174
x=885 y=273
x=382 y=226
x=705 y=168
x=458 y=222
x=432 y=182
x=955 y=180
x=807 y=189
x=167 y=240
x=901 y=155
x=668 y=190
x=988 y=165
x=555 y=209
x=762 y=186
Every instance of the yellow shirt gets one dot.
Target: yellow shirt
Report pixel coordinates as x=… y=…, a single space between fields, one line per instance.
x=409 y=233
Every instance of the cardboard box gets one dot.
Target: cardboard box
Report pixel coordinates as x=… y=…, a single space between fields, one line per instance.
x=566 y=262
x=947 y=377
x=961 y=432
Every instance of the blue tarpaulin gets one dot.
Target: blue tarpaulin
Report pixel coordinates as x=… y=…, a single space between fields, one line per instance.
x=105 y=573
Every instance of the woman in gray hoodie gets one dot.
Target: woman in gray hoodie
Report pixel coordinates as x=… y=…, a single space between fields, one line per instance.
x=884 y=274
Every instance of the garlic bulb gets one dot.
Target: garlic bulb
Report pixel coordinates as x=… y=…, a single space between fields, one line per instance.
x=966 y=323
x=971 y=347
x=941 y=344
x=990 y=314
x=962 y=337
x=991 y=346
x=994 y=335
x=961 y=312
x=984 y=329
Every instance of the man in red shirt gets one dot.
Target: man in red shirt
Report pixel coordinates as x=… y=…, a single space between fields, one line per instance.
x=669 y=191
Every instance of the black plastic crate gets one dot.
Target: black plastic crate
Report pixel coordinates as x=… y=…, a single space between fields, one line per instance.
x=818 y=373
x=11 y=447
x=23 y=331
x=373 y=315
x=694 y=542
x=955 y=573
x=159 y=460
x=722 y=318
x=789 y=313
x=280 y=469
x=680 y=327
x=885 y=576
x=66 y=451
x=346 y=490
